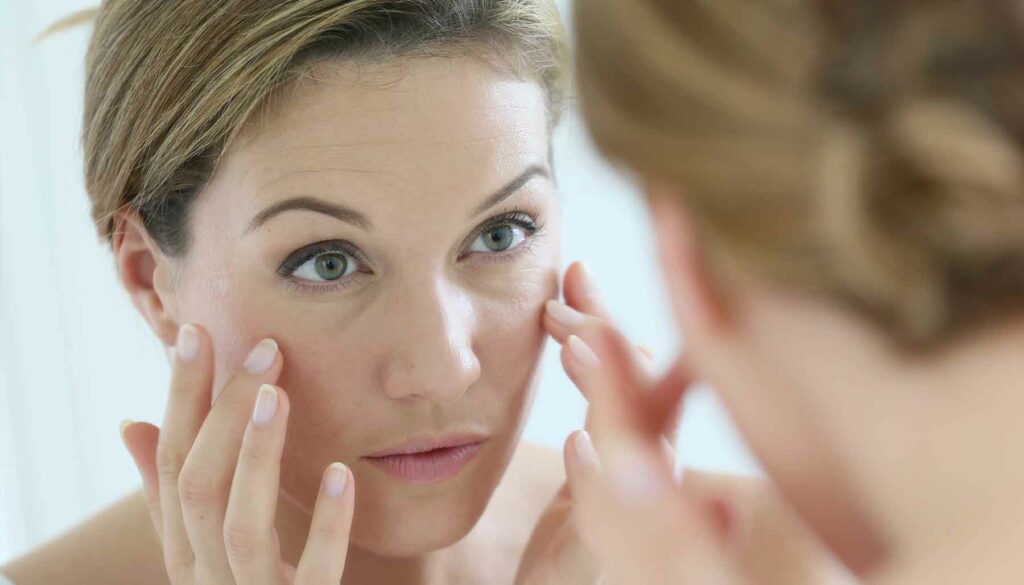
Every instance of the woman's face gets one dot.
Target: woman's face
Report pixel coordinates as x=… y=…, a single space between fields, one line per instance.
x=395 y=229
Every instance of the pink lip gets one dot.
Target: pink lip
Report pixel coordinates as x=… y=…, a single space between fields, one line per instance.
x=428 y=460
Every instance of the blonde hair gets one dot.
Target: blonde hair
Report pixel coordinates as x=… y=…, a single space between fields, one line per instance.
x=171 y=84
x=866 y=149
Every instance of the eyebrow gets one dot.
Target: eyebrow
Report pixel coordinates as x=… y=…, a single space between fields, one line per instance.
x=512 y=187
x=349 y=215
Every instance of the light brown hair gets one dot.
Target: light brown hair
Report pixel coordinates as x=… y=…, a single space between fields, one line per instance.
x=870 y=150
x=171 y=84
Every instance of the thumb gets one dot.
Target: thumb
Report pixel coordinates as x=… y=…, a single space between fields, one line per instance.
x=140 y=439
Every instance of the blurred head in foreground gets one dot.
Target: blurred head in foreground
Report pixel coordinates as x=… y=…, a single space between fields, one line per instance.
x=839 y=197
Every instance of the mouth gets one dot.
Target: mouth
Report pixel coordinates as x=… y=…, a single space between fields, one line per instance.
x=428 y=460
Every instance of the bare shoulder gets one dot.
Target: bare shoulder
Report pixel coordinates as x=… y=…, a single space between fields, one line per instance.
x=115 y=545
x=535 y=474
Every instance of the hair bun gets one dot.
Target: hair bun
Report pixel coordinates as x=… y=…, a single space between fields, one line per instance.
x=921 y=208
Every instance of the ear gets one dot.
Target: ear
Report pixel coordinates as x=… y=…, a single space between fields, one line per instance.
x=145 y=273
x=698 y=307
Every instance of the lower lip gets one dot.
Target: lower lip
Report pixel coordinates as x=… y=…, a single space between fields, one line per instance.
x=429 y=466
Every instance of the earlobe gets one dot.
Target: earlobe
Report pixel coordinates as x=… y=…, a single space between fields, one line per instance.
x=695 y=300
x=143 y=271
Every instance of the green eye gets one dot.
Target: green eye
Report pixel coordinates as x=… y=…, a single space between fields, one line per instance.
x=331 y=266
x=499 y=239
x=326 y=267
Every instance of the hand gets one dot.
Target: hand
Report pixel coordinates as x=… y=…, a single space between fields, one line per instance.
x=648 y=527
x=211 y=476
x=556 y=554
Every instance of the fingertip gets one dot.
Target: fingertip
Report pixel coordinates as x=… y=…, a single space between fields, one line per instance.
x=337 y=479
x=124 y=426
x=583 y=447
x=581 y=290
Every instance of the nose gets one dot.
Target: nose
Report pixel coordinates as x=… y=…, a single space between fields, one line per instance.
x=432 y=357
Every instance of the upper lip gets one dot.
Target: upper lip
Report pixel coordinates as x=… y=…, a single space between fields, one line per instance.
x=428 y=443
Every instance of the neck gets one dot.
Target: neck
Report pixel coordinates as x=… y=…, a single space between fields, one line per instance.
x=949 y=488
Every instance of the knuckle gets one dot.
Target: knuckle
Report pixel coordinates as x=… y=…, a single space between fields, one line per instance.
x=196 y=489
x=242 y=540
x=169 y=462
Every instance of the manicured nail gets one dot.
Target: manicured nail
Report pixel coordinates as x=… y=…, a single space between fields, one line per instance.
x=125 y=424
x=589 y=288
x=631 y=470
x=564 y=314
x=337 y=477
x=266 y=405
x=261 y=357
x=187 y=345
x=585 y=450
x=582 y=352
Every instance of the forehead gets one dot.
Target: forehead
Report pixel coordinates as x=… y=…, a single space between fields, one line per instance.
x=446 y=128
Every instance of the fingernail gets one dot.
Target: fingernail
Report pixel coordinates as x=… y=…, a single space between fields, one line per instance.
x=261 y=357
x=631 y=470
x=187 y=345
x=589 y=288
x=125 y=424
x=585 y=450
x=582 y=352
x=337 y=477
x=564 y=314
x=266 y=405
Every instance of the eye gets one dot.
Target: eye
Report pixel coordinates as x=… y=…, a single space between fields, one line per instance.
x=327 y=261
x=500 y=238
x=326 y=267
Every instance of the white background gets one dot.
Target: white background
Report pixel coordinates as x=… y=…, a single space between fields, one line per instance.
x=76 y=359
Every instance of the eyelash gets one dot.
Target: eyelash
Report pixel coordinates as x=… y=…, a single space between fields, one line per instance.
x=515 y=216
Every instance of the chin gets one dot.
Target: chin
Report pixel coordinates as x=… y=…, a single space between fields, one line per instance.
x=394 y=525
x=397 y=520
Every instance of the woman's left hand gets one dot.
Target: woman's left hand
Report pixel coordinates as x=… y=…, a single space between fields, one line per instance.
x=555 y=554
x=623 y=515
x=648 y=526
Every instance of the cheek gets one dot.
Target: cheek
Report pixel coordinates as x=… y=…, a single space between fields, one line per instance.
x=237 y=314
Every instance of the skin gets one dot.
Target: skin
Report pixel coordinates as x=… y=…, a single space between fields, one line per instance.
x=406 y=348
x=909 y=441
x=232 y=501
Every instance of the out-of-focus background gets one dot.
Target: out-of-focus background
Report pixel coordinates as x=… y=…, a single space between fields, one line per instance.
x=76 y=358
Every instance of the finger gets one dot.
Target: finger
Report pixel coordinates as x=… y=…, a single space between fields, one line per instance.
x=664 y=402
x=252 y=504
x=323 y=558
x=556 y=554
x=581 y=459
x=206 y=477
x=647 y=531
x=581 y=291
x=141 y=439
x=563 y=322
x=588 y=370
x=187 y=404
x=623 y=399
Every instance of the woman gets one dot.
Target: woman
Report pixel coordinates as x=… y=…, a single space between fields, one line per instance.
x=838 y=193
x=342 y=216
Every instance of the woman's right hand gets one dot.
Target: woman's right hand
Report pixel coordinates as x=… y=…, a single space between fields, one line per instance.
x=211 y=476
